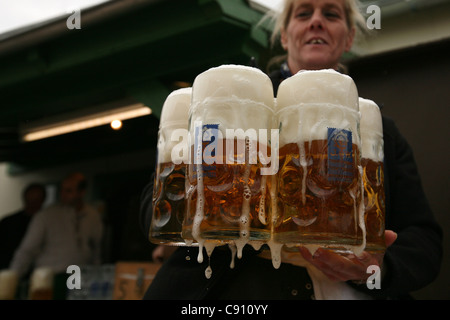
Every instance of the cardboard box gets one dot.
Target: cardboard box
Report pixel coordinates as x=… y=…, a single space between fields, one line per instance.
x=132 y=279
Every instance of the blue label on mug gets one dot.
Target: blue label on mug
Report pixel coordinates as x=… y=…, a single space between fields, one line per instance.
x=340 y=155
x=210 y=135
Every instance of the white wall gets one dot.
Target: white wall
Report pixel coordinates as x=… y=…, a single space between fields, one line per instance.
x=11 y=188
x=409 y=28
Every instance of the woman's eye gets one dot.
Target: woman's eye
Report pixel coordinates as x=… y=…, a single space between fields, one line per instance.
x=303 y=14
x=331 y=14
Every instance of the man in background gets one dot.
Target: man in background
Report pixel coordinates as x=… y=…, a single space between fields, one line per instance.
x=14 y=226
x=67 y=233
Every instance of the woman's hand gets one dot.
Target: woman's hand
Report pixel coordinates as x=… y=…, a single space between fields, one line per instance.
x=339 y=268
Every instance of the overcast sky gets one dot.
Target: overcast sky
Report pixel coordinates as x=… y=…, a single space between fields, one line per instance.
x=269 y=3
x=18 y=13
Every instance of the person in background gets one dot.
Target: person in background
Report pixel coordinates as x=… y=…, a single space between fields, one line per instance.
x=315 y=34
x=14 y=226
x=66 y=233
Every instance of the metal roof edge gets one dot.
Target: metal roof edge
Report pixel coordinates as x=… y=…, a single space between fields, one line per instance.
x=28 y=36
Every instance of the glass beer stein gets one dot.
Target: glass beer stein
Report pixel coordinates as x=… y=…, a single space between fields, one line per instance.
x=320 y=198
x=230 y=122
x=172 y=156
x=41 y=284
x=9 y=281
x=372 y=156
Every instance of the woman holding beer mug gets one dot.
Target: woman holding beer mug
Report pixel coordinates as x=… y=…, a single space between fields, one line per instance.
x=315 y=34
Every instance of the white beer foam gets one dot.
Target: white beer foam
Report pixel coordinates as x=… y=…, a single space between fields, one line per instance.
x=371 y=127
x=310 y=102
x=318 y=86
x=176 y=108
x=234 y=97
x=41 y=278
x=233 y=81
x=174 y=116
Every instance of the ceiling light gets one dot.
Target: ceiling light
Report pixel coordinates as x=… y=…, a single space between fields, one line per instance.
x=116 y=124
x=77 y=122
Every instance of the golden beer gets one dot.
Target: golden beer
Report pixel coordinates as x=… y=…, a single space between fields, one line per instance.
x=41 y=294
x=168 y=202
x=235 y=199
x=373 y=175
x=228 y=186
x=320 y=191
x=313 y=207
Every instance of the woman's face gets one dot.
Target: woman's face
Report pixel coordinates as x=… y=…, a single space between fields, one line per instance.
x=317 y=34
